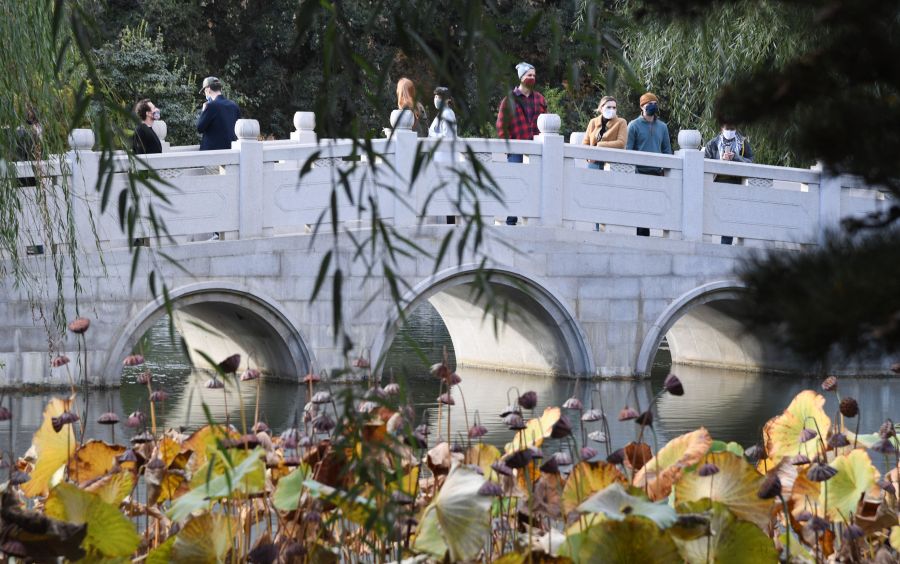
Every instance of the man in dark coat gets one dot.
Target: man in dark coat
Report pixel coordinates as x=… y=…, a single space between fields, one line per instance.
x=218 y=117
x=145 y=141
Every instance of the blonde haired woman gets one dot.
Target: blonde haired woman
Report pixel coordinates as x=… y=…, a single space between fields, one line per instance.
x=606 y=130
x=406 y=100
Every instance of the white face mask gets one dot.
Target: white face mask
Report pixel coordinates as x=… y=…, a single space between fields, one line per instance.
x=609 y=113
x=438 y=102
x=728 y=134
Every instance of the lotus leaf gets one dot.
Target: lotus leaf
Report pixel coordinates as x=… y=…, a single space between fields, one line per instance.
x=53 y=449
x=534 y=557
x=109 y=533
x=856 y=475
x=203 y=440
x=462 y=515
x=895 y=535
x=206 y=539
x=547 y=498
x=289 y=488
x=735 y=486
x=782 y=432
x=43 y=539
x=92 y=460
x=429 y=538
x=113 y=489
x=731 y=446
x=733 y=541
x=358 y=509
x=245 y=478
x=484 y=455
x=663 y=470
x=586 y=479
x=633 y=539
x=535 y=431
x=615 y=503
x=637 y=455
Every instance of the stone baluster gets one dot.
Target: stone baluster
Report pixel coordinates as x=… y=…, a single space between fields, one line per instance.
x=250 y=189
x=161 y=129
x=691 y=184
x=304 y=127
x=84 y=165
x=551 y=170
x=405 y=143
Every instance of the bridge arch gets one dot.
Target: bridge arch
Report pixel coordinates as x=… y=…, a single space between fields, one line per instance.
x=538 y=334
x=702 y=328
x=221 y=318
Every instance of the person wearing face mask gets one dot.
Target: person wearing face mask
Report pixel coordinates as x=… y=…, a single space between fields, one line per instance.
x=444 y=125
x=518 y=114
x=650 y=134
x=606 y=130
x=217 y=118
x=145 y=140
x=729 y=145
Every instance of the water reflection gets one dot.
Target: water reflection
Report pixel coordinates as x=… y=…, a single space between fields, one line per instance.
x=732 y=405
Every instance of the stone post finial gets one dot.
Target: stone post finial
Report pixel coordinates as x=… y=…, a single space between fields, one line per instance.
x=402 y=119
x=161 y=129
x=246 y=129
x=689 y=139
x=81 y=140
x=549 y=123
x=304 y=121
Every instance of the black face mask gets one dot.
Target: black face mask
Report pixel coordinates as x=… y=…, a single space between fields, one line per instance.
x=651 y=109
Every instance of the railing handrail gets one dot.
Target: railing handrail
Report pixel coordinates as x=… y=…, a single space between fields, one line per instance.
x=261 y=192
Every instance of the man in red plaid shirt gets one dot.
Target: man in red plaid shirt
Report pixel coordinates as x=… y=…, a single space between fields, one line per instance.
x=518 y=113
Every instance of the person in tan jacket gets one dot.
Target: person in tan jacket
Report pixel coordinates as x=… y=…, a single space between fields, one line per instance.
x=606 y=130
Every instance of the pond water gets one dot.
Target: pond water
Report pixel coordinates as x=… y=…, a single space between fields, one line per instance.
x=732 y=405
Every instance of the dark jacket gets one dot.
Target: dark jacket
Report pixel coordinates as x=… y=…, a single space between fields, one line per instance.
x=216 y=123
x=145 y=141
x=740 y=146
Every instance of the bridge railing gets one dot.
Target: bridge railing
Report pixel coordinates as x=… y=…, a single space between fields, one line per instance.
x=263 y=188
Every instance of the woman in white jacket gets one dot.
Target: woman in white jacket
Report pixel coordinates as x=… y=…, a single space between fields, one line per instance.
x=444 y=125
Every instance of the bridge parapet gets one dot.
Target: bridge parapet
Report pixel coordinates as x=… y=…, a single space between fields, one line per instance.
x=264 y=188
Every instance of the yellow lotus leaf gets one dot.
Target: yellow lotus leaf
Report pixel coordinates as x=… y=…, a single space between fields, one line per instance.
x=53 y=449
x=633 y=539
x=536 y=430
x=732 y=540
x=663 y=470
x=855 y=476
x=167 y=449
x=204 y=539
x=782 y=432
x=895 y=536
x=586 y=479
x=801 y=492
x=113 y=489
x=483 y=455
x=93 y=459
x=109 y=533
x=735 y=485
x=203 y=440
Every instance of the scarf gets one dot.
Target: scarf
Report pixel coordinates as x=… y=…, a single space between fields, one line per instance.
x=735 y=146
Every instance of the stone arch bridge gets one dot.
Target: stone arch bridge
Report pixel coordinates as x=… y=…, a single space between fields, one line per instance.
x=585 y=295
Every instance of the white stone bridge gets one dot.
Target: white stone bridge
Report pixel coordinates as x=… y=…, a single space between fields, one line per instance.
x=581 y=301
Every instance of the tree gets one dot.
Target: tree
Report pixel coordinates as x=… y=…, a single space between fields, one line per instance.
x=136 y=66
x=687 y=61
x=841 y=94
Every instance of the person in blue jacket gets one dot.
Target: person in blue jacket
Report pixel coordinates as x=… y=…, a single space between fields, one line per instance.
x=217 y=118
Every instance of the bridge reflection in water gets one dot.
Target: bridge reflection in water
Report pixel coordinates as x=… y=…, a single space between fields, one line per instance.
x=732 y=405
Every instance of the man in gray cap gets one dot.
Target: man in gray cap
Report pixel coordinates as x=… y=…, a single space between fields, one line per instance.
x=519 y=110
x=217 y=118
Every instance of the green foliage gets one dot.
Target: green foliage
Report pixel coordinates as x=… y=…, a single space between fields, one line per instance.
x=236 y=474
x=137 y=66
x=686 y=62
